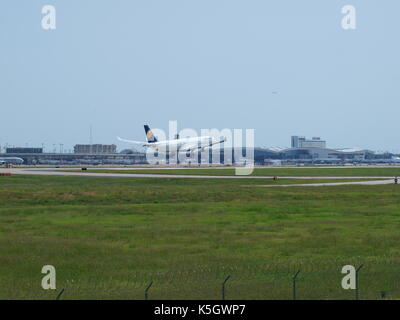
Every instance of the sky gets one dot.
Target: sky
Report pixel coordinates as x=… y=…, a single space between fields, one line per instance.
x=280 y=67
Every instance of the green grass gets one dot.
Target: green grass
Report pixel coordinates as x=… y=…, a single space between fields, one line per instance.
x=109 y=237
x=282 y=172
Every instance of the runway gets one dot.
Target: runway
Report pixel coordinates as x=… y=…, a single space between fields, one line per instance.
x=376 y=182
x=61 y=172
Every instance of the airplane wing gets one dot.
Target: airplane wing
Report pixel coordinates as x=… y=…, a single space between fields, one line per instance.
x=144 y=144
x=189 y=147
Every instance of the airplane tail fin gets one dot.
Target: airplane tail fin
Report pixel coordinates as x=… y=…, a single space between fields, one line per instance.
x=149 y=134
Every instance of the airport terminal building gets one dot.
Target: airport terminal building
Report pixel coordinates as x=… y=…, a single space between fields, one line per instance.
x=84 y=158
x=315 y=151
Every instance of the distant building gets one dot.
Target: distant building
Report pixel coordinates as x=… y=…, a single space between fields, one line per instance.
x=315 y=151
x=302 y=142
x=296 y=141
x=129 y=151
x=95 y=148
x=24 y=150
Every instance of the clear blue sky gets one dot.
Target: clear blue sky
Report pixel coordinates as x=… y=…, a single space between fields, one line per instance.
x=206 y=63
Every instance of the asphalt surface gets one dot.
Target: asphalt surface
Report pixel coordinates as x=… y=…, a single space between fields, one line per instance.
x=377 y=182
x=91 y=173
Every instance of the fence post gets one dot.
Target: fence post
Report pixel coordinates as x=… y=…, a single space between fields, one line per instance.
x=294 y=284
x=357 y=291
x=146 y=296
x=223 y=287
x=60 y=294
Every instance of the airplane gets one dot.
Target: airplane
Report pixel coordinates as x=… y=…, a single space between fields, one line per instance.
x=11 y=160
x=177 y=145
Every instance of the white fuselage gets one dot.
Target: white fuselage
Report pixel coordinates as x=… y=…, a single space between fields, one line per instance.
x=185 y=144
x=12 y=160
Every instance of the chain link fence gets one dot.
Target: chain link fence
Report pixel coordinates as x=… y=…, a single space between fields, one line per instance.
x=272 y=282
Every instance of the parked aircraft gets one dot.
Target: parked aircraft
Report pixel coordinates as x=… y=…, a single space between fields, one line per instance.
x=11 y=160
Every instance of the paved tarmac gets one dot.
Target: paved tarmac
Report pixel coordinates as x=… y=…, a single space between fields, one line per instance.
x=376 y=182
x=92 y=173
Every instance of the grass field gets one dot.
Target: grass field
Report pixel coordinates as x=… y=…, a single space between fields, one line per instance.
x=108 y=238
x=282 y=172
